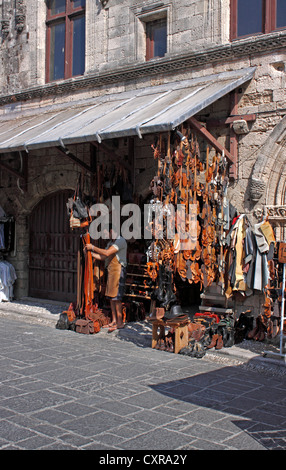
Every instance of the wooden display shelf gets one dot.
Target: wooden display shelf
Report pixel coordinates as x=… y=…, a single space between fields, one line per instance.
x=135 y=285
x=137 y=275
x=138 y=295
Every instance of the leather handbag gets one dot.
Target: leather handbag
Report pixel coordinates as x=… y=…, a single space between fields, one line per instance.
x=77 y=210
x=84 y=326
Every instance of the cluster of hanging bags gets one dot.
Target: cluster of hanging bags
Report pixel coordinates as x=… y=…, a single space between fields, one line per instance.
x=78 y=213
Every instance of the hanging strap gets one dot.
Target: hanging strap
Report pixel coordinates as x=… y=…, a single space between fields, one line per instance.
x=88 y=278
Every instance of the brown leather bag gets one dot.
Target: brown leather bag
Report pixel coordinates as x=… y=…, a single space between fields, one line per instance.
x=84 y=326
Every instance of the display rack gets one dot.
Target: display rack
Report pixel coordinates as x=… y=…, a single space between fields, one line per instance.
x=137 y=286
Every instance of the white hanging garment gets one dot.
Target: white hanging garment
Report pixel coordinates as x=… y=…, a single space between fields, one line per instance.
x=7 y=278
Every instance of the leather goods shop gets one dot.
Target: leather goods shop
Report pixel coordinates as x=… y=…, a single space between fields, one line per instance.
x=185 y=285
x=193 y=262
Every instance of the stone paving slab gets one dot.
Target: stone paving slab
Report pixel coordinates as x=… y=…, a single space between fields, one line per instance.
x=61 y=390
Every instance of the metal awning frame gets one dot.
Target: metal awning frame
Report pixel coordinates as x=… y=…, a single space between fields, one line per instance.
x=165 y=119
x=63 y=150
x=165 y=115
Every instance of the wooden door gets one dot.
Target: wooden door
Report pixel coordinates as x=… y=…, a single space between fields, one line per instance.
x=53 y=250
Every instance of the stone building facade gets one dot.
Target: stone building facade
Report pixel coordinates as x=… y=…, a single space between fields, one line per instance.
x=201 y=41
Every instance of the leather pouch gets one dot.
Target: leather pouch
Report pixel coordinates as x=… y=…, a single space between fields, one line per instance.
x=84 y=326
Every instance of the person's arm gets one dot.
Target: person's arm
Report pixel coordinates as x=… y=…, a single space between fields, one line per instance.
x=102 y=251
x=98 y=257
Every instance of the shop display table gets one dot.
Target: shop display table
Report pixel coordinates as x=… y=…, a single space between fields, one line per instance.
x=180 y=332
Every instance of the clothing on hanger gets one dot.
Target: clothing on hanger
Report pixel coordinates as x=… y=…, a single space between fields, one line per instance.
x=2 y=237
x=7 y=279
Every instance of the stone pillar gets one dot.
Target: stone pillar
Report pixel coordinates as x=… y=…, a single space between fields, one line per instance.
x=20 y=260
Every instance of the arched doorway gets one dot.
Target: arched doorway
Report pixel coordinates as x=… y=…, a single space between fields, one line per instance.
x=52 y=250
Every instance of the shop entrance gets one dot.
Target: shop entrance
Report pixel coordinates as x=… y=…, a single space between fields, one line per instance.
x=53 y=250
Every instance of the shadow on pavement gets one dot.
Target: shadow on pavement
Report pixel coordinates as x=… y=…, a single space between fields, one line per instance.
x=254 y=403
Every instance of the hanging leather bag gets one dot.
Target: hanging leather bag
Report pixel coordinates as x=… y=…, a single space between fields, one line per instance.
x=77 y=211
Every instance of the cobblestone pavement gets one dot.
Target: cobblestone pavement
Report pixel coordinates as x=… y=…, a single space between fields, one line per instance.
x=67 y=391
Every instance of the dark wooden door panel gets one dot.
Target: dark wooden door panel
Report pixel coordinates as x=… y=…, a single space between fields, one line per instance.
x=53 y=250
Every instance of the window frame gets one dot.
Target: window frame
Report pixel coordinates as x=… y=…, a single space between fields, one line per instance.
x=269 y=8
x=274 y=15
x=67 y=18
x=150 y=40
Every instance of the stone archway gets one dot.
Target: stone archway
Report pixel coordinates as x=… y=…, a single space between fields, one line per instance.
x=268 y=163
x=268 y=180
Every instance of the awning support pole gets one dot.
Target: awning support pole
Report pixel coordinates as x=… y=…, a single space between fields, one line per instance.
x=64 y=151
x=210 y=138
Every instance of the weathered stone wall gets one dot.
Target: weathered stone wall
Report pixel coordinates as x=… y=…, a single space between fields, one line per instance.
x=262 y=150
x=21 y=44
x=115 y=34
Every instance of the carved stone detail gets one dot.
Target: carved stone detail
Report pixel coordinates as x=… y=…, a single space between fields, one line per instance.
x=276 y=212
x=258 y=213
x=19 y=23
x=20 y=16
x=257 y=189
x=240 y=127
x=5 y=28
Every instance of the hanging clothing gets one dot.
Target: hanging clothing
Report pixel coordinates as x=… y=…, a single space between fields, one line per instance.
x=7 y=279
x=2 y=237
x=261 y=273
x=250 y=249
x=250 y=256
x=2 y=234
x=268 y=232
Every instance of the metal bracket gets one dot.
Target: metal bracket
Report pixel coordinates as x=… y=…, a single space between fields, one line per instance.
x=210 y=138
x=62 y=150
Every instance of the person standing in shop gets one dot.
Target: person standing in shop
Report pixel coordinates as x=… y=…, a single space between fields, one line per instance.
x=115 y=256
